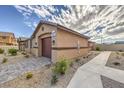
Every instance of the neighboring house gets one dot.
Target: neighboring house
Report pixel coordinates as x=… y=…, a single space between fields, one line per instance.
x=22 y=43
x=28 y=45
x=91 y=45
x=54 y=41
x=7 y=38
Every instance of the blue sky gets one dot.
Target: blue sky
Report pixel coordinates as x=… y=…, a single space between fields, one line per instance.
x=94 y=21
x=11 y=20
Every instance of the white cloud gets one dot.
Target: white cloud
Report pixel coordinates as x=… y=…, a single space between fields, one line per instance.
x=83 y=19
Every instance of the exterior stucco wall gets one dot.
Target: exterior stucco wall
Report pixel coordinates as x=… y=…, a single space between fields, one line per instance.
x=34 y=51
x=47 y=29
x=69 y=54
x=35 y=41
x=69 y=40
x=66 y=39
x=8 y=40
x=28 y=47
x=91 y=45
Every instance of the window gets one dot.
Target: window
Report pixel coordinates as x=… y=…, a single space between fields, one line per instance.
x=42 y=28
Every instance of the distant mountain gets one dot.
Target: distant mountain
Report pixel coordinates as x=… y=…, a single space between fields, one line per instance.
x=119 y=42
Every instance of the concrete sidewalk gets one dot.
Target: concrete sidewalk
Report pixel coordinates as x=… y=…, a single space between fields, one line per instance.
x=88 y=75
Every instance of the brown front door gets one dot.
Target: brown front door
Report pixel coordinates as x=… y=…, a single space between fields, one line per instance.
x=46 y=47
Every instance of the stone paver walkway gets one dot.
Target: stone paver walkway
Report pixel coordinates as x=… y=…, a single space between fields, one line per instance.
x=88 y=75
x=11 y=71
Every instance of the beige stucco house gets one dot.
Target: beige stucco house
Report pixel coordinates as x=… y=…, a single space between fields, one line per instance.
x=22 y=43
x=7 y=38
x=54 y=41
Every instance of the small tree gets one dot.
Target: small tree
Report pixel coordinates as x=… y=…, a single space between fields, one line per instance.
x=1 y=51
x=12 y=51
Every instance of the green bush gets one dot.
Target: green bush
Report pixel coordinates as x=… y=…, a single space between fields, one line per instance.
x=12 y=51
x=97 y=48
x=29 y=75
x=61 y=67
x=4 y=60
x=1 y=51
x=54 y=79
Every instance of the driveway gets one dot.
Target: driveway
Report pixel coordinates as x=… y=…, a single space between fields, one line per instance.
x=11 y=71
x=88 y=75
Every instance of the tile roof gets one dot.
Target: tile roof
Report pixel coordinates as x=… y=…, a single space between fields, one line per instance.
x=22 y=38
x=7 y=34
x=58 y=26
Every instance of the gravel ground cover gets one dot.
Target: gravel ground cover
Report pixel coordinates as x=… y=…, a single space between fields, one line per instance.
x=42 y=77
x=116 y=60
x=109 y=83
x=17 y=65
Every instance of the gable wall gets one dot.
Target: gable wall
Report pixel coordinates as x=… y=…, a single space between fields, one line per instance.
x=35 y=44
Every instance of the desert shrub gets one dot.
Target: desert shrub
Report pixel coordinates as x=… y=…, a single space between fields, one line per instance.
x=27 y=56
x=12 y=51
x=29 y=75
x=120 y=51
x=71 y=63
x=98 y=48
x=54 y=79
x=4 y=60
x=61 y=66
x=1 y=51
x=116 y=63
x=24 y=53
x=77 y=60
